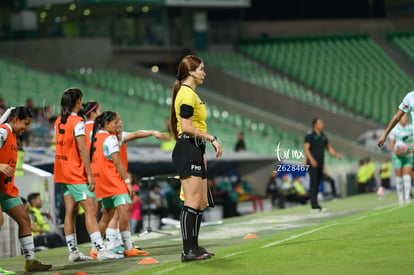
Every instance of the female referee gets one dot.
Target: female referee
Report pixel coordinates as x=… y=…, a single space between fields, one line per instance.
x=16 y=122
x=188 y=122
x=73 y=171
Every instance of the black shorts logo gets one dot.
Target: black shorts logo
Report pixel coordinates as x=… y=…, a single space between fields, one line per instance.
x=196 y=168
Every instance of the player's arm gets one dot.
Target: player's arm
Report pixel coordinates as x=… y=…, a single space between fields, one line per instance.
x=392 y=146
x=122 y=171
x=84 y=154
x=306 y=149
x=394 y=120
x=142 y=134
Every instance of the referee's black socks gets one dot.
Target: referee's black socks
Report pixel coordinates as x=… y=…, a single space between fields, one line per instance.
x=199 y=218
x=189 y=232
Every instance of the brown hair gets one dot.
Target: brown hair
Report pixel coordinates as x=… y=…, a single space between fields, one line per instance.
x=67 y=102
x=188 y=64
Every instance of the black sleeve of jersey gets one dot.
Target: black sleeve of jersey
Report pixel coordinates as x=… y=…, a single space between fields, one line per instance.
x=186 y=111
x=326 y=140
x=308 y=138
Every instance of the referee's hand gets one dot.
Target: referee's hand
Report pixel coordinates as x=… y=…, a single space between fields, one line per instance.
x=217 y=148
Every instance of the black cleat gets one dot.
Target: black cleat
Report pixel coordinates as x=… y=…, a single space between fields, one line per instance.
x=201 y=249
x=194 y=255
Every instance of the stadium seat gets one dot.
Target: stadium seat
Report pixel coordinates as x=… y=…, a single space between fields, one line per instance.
x=342 y=68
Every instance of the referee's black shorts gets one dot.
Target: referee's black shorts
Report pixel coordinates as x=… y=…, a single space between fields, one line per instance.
x=188 y=158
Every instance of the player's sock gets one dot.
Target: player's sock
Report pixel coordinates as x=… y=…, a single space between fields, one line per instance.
x=399 y=187
x=97 y=240
x=119 y=239
x=126 y=239
x=199 y=218
x=407 y=187
x=113 y=238
x=188 y=227
x=27 y=245
x=72 y=242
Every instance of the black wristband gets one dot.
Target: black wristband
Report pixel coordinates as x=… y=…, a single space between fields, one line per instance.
x=214 y=139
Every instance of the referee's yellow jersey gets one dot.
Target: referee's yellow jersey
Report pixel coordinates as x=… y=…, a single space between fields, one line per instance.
x=186 y=96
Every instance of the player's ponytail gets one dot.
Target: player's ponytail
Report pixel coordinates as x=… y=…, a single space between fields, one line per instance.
x=68 y=102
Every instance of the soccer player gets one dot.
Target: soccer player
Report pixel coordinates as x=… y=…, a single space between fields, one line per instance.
x=402 y=160
x=188 y=123
x=16 y=122
x=112 y=232
x=407 y=105
x=91 y=110
x=72 y=170
x=112 y=181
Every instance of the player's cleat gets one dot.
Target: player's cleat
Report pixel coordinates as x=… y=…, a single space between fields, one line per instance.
x=93 y=253
x=6 y=272
x=194 y=255
x=36 y=265
x=118 y=250
x=105 y=254
x=201 y=249
x=78 y=257
x=133 y=252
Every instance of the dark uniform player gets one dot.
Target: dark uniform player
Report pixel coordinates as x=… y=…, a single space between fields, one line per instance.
x=315 y=144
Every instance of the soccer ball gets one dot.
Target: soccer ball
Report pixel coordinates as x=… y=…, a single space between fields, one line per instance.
x=400 y=147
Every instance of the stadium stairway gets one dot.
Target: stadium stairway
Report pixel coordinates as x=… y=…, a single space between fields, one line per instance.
x=404 y=41
x=398 y=48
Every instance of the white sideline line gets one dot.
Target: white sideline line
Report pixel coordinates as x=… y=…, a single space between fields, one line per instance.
x=299 y=235
x=235 y=254
x=170 y=269
x=330 y=225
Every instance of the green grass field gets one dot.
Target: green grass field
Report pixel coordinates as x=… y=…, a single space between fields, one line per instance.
x=358 y=235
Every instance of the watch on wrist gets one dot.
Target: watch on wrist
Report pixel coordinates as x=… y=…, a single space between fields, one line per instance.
x=127 y=181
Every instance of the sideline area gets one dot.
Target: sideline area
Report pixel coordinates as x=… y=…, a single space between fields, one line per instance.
x=220 y=238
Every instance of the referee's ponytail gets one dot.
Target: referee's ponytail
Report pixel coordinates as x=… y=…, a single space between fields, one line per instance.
x=173 y=115
x=188 y=64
